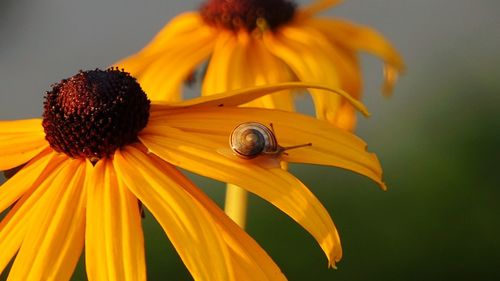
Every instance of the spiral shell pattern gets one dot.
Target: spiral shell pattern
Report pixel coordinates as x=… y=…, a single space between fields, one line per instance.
x=250 y=139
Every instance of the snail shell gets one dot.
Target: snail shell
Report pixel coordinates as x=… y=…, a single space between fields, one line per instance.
x=251 y=139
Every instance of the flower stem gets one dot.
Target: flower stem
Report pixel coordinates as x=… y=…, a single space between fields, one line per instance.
x=236 y=204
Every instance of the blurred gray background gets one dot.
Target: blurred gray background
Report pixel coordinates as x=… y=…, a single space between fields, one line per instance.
x=437 y=137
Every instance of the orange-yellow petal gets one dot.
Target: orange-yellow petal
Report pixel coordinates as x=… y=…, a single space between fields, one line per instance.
x=190 y=228
x=55 y=235
x=330 y=145
x=240 y=61
x=163 y=65
x=363 y=38
x=266 y=69
x=350 y=79
x=277 y=186
x=30 y=176
x=114 y=242
x=241 y=96
x=218 y=75
x=20 y=127
x=20 y=141
x=249 y=260
x=14 y=226
x=182 y=25
x=311 y=57
x=12 y=231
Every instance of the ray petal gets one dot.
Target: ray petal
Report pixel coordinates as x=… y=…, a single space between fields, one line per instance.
x=348 y=71
x=311 y=57
x=20 y=127
x=14 y=226
x=114 y=239
x=188 y=225
x=250 y=261
x=274 y=185
x=182 y=25
x=12 y=231
x=363 y=38
x=219 y=74
x=267 y=70
x=330 y=145
x=242 y=61
x=173 y=54
x=242 y=96
x=31 y=175
x=20 y=141
x=55 y=237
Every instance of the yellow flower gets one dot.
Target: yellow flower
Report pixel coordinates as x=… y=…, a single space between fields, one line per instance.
x=102 y=150
x=258 y=42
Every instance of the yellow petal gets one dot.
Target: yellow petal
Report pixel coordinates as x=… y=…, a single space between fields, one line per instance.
x=250 y=261
x=267 y=69
x=351 y=81
x=363 y=38
x=55 y=237
x=12 y=231
x=20 y=127
x=391 y=75
x=165 y=73
x=114 y=242
x=240 y=61
x=14 y=226
x=187 y=224
x=277 y=186
x=182 y=25
x=20 y=141
x=241 y=96
x=330 y=145
x=163 y=65
x=30 y=176
x=218 y=75
x=349 y=73
x=333 y=61
x=311 y=57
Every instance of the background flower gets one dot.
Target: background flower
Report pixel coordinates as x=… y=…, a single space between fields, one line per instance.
x=437 y=137
x=257 y=42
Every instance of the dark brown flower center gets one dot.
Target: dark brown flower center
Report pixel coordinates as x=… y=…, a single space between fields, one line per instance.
x=95 y=112
x=247 y=14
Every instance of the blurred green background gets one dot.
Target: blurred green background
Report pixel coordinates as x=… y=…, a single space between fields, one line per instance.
x=437 y=137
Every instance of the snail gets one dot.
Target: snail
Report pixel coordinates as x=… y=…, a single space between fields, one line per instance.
x=251 y=139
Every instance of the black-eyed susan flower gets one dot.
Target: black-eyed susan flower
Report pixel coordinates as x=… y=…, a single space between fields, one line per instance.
x=102 y=148
x=257 y=42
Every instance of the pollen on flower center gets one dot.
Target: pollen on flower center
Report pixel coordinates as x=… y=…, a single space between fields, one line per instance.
x=246 y=14
x=95 y=112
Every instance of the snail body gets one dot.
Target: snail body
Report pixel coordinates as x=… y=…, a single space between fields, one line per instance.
x=251 y=139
